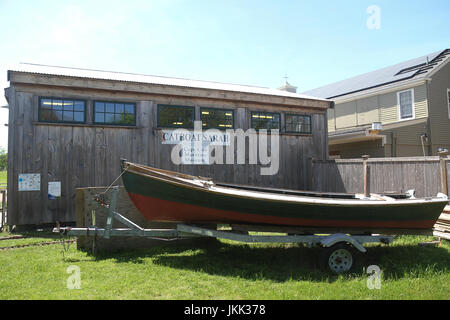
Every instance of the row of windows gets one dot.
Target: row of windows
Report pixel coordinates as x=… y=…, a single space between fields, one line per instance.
x=169 y=116
x=211 y=118
x=74 y=111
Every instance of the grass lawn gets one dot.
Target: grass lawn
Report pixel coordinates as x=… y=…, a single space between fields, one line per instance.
x=223 y=270
x=3 y=176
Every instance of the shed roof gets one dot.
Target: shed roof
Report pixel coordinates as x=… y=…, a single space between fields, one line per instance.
x=151 y=79
x=417 y=68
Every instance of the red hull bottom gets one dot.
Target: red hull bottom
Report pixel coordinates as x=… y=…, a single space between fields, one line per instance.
x=162 y=210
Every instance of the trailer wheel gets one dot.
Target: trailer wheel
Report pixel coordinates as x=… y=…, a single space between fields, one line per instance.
x=338 y=258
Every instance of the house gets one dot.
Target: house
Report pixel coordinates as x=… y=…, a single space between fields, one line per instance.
x=398 y=111
x=69 y=128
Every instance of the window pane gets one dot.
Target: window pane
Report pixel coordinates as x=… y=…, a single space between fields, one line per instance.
x=114 y=113
x=298 y=123
x=99 y=107
x=47 y=115
x=119 y=108
x=216 y=118
x=118 y=118
x=127 y=118
x=129 y=108
x=110 y=107
x=78 y=116
x=109 y=117
x=265 y=120
x=68 y=105
x=406 y=104
x=176 y=116
x=58 y=115
x=79 y=106
x=57 y=105
x=61 y=110
x=99 y=117
x=68 y=115
x=46 y=103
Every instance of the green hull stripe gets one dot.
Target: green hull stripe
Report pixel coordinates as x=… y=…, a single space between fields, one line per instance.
x=138 y=184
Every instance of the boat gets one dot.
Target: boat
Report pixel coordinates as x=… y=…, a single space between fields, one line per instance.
x=167 y=196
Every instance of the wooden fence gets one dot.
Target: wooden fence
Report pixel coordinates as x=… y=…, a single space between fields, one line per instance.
x=424 y=174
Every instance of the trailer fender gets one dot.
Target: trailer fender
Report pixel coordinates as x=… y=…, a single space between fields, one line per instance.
x=340 y=237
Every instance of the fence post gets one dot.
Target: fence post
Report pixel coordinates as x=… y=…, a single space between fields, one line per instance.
x=366 y=177
x=444 y=183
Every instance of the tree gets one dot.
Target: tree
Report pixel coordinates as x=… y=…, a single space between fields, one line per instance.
x=3 y=159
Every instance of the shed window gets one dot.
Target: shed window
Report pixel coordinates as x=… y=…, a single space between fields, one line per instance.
x=61 y=110
x=217 y=118
x=115 y=113
x=296 y=123
x=176 y=116
x=406 y=104
x=265 y=120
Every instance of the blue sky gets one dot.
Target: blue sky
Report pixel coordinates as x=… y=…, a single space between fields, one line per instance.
x=245 y=42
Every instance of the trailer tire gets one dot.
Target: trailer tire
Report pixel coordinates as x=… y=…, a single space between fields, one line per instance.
x=339 y=258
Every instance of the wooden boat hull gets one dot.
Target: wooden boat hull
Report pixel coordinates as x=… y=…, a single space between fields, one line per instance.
x=162 y=197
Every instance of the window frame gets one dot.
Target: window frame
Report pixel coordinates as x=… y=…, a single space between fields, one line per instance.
x=298 y=115
x=63 y=99
x=113 y=123
x=219 y=109
x=158 y=123
x=412 y=105
x=265 y=112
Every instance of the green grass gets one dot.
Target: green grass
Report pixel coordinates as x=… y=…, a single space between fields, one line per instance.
x=224 y=270
x=3 y=177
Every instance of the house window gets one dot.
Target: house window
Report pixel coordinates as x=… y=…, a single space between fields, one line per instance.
x=406 y=104
x=217 y=118
x=265 y=120
x=62 y=110
x=176 y=116
x=296 y=123
x=115 y=113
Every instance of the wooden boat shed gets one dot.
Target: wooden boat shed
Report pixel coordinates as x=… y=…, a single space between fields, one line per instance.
x=69 y=128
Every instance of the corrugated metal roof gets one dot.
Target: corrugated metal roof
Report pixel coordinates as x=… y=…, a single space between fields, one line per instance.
x=150 y=79
x=395 y=73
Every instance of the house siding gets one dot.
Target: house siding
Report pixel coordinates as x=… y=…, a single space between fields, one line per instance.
x=439 y=117
x=383 y=108
x=345 y=115
x=331 y=120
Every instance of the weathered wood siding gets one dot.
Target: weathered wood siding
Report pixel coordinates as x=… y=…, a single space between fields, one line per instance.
x=386 y=175
x=89 y=155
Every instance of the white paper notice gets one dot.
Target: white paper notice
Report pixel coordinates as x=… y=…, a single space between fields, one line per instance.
x=54 y=190
x=29 y=182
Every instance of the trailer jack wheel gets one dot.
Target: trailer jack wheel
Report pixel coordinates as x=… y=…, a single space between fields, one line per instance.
x=338 y=258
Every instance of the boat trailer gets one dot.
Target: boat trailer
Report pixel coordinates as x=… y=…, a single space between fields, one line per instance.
x=338 y=256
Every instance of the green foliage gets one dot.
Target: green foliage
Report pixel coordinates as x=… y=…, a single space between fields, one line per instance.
x=3 y=159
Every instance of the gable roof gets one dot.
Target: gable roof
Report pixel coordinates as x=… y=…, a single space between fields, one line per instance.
x=418 y=68
x=151 y=79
